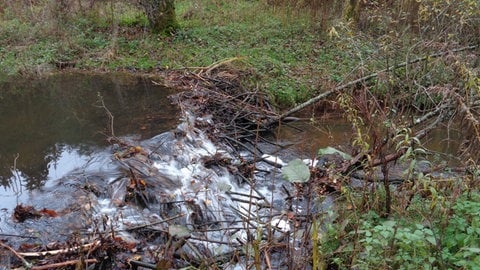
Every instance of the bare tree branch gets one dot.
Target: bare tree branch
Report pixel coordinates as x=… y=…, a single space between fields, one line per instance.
x=363 y=79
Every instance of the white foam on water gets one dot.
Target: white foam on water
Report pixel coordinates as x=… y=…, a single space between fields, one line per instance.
x=223 y=203
x=273 y=159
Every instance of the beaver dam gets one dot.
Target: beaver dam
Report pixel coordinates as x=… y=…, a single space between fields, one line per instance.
x=208 y=193
x=201 y=194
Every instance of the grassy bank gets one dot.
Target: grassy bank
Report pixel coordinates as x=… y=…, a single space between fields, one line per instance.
x=291 y=49
x=294 y=50
x=281 y=48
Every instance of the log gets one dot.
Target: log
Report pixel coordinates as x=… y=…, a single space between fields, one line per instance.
x=342 y=87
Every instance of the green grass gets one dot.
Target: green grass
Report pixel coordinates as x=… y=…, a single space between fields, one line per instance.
x=281 y=48
x=291 y=55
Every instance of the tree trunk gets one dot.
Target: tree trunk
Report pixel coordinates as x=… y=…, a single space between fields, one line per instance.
x=160 y=14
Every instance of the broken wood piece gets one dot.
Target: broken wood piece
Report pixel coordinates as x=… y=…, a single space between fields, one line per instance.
x=59 y=251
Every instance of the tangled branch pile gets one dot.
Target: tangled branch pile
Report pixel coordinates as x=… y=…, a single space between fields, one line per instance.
x=217 y=91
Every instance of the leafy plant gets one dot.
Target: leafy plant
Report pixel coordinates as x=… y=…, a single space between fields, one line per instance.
x=460 y=241
x=391 y=243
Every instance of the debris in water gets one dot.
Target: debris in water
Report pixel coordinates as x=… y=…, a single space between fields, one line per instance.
x=49 y=212
x=22 y=213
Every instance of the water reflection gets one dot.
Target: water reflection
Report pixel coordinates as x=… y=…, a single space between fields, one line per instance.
x=55 y=124
x=442 y=144
x=311 y=136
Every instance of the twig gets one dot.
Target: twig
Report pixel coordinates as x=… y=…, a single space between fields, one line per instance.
x=18 y=255
x=16 y=182
x=217 y=64
x=62 y=264
x=135 y=264
x=16 y=235
x=58 y=251
x=245 y=195
x=109 y=114
x=154 y=223
x=428 y=115
x=230 y=244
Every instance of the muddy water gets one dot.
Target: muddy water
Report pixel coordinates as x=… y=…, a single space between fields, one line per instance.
x=49 y=127
x=442 y=144
x=308 y=136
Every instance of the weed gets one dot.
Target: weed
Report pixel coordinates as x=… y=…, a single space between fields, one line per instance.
x=408 y=240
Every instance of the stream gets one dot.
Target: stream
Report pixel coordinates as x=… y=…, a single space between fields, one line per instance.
x=158 y=178
x=160 y=187
x=54 y=125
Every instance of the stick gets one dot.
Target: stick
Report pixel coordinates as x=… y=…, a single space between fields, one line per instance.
x=61 y=264
x=18 y=255
x=362 y=79
x=57 y=251
x=154 y=223
x=109 y=114
x=16 y=235
x=135 y=264
x=218 y=64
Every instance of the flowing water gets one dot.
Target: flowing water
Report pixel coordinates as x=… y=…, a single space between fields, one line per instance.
x=52 y=126
x=163 y=173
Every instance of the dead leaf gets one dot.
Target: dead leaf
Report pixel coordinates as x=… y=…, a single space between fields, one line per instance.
x=163 y=264
x=49 y=212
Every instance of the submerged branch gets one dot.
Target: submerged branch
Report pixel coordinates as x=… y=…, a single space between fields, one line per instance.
x=78 y=264
x=17 y=254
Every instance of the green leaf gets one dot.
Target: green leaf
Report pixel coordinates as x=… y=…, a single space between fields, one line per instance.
x=296 y=171
x=178 y=231
x=330 y=150
x=472 y=249
x=431 y=240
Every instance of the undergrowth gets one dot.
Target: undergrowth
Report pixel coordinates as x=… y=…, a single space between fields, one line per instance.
x=439 y=232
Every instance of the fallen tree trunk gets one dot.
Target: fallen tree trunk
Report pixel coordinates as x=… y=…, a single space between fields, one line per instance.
x=342 y=87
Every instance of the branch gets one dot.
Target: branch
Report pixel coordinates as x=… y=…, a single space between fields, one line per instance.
x=16 y=235
x=218 y=64
x=58 y=251
x=154 y=223
x=429 y=115
x=62 y=264
x=109 y=114
x=18 y=255
x=363 y=79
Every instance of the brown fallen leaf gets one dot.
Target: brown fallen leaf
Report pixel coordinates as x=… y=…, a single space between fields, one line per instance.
x=22 y=213
x=49 y=212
